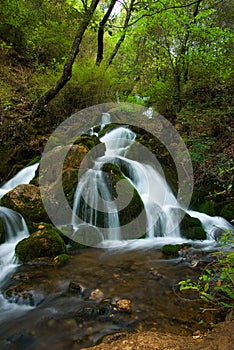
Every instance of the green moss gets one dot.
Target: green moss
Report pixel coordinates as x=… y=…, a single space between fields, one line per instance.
x=61 y=259
x=207 y=207
x=171 y=250
x=89 y=141
x=46 y=242
x=69 y=180
x=191 y=228
x=228 y=211
x=34 y=161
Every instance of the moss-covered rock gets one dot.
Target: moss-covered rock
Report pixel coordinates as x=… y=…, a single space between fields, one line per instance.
x=228 y=211
x=128 y=200
x=207 y=207
x=191 y=228
x=26 y=200
x=61 y=259
x=172 y=250
x=45 y=242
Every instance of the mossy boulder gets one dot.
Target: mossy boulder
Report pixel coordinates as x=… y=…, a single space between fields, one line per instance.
x=172 y=250
x=128 y=200
x=207 y=207
x=45 y=242
x=191 y=228
x=26 y=200
x=228 y=211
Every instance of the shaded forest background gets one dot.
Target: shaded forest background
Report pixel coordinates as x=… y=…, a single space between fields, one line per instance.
x=174 y=56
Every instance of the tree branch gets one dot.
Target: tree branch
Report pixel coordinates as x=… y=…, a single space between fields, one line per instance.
x=43 y=101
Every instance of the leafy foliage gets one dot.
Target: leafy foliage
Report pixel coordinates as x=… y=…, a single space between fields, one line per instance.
x=216 y=284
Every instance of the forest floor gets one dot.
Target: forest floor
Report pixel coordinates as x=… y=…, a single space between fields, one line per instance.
x=220 y=338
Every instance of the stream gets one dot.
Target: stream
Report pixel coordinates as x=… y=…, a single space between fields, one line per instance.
x=68 y=307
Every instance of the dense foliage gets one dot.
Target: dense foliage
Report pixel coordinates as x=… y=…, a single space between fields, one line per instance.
x=176 y=56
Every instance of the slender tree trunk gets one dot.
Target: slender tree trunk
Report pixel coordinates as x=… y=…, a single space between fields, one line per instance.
x=42 y=102
x=121 y=39
x=101 y=32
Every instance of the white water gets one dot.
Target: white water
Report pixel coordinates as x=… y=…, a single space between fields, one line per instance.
x=163 y=212
x=15 y=230
x=22 y=177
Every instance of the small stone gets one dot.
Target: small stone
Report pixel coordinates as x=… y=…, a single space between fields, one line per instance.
x=124 y=305
x=21 y=277
x=96 y=294
x=76 y=287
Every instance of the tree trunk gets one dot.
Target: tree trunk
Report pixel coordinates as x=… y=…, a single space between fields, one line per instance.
x=42 y=102
x=101 y=32
x=121 y=39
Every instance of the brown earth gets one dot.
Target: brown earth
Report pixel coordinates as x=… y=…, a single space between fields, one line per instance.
x=220 y=338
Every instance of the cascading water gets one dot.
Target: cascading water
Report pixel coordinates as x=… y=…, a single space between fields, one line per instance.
x=162 y=209
x=23 y=177
x=15 y=229
x=155 y=193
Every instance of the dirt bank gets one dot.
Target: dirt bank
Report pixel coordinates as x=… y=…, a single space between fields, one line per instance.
x=220 y=338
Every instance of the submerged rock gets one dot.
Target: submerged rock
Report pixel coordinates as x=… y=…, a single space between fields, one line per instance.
x=45 y=242
x=124 y=305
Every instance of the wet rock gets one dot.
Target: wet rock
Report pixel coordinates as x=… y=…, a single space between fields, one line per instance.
x=96 y=294
x=155 y=274
x=191 y=228
x=124 y=305
x=113 y=337
x=21 y=277
x=26 y=200
x=61 y=259
x=217 y=233
x=128 y=201
x=44 y=242
x=93 y=294
x=76 y=287
x=21 y=296
x=172 y=250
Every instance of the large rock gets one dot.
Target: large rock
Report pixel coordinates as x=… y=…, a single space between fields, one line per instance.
x=26 y=200
x=191 y=228
x=228 y=211
x=45 y=242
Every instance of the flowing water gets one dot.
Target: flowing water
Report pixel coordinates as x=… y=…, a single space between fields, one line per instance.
x=23 y=177
x=162 y=210
x=135 y=269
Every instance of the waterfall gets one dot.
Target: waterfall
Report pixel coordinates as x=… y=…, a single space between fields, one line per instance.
x=22 y=177
x=92 y=194
x=162 y=210
x=15 y=230
x=106 y=119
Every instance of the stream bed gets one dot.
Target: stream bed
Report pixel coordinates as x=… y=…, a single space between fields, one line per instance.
x=74 y=305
